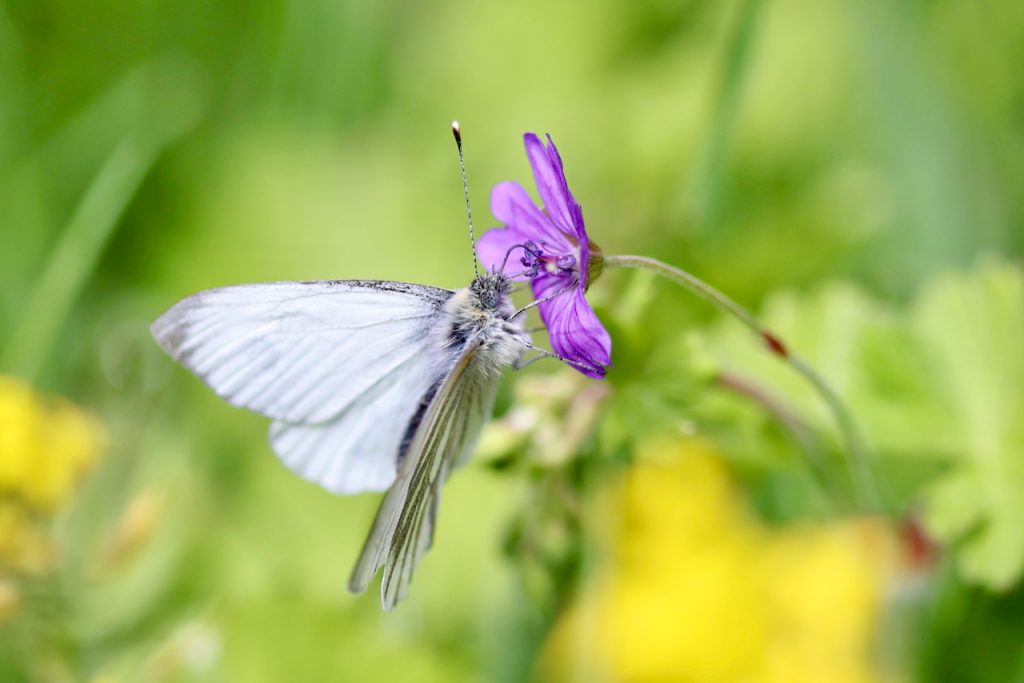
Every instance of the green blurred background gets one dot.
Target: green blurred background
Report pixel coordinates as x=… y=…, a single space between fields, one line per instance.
x=853 y=171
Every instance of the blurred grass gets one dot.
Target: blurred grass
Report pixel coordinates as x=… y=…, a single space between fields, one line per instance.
x=75 y=255
x=764 y=146
x=711 y=191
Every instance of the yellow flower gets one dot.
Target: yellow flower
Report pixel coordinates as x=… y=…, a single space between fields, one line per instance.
x=46 y=445
x=19 y=422
x=698 y=590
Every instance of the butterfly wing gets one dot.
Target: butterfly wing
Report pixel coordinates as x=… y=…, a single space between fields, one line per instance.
x=403 y=529
x=340 y=365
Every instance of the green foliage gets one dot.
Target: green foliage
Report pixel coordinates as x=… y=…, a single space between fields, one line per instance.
x=972 y=328
x=937 y=388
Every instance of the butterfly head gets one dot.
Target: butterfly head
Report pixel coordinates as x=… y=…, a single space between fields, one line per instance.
x=491 y=290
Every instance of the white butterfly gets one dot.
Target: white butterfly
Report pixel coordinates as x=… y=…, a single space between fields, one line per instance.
x=371 y=386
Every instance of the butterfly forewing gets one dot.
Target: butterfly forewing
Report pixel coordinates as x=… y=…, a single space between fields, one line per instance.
x=340 y=365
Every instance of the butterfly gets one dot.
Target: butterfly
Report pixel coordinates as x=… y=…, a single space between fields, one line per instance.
x=371 y=386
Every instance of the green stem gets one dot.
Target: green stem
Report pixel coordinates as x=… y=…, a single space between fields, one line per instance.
x=857 y=460
x=804 y=437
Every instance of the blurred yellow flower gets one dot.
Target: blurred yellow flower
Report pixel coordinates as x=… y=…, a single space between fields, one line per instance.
x=697 y=590
x=46 y=444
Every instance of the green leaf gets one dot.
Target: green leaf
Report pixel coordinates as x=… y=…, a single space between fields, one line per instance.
x=973 y=328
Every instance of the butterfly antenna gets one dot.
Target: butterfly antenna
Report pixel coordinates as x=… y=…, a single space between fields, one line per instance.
x=457 y=132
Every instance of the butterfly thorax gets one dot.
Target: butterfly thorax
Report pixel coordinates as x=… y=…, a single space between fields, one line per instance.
x=483 y=313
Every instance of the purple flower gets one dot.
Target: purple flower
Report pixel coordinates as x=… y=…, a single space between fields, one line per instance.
x=553 y=248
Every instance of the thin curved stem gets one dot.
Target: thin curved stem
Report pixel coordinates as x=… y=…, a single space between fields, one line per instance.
x=803 y=435
x=857 y=461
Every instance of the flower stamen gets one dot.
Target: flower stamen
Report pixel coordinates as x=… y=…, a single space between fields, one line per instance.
x=526 y=247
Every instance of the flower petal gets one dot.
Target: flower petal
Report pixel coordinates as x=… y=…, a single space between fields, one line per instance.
x=493 y=245
x=511 y=205
x=549 y=175
x=575 y=331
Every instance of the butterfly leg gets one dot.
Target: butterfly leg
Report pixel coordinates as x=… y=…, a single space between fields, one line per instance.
x=520 y=364
x=538 y=302
x=544 y=353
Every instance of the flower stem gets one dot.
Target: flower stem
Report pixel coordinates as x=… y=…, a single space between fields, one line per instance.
x=857 y=460
x=800 y=432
